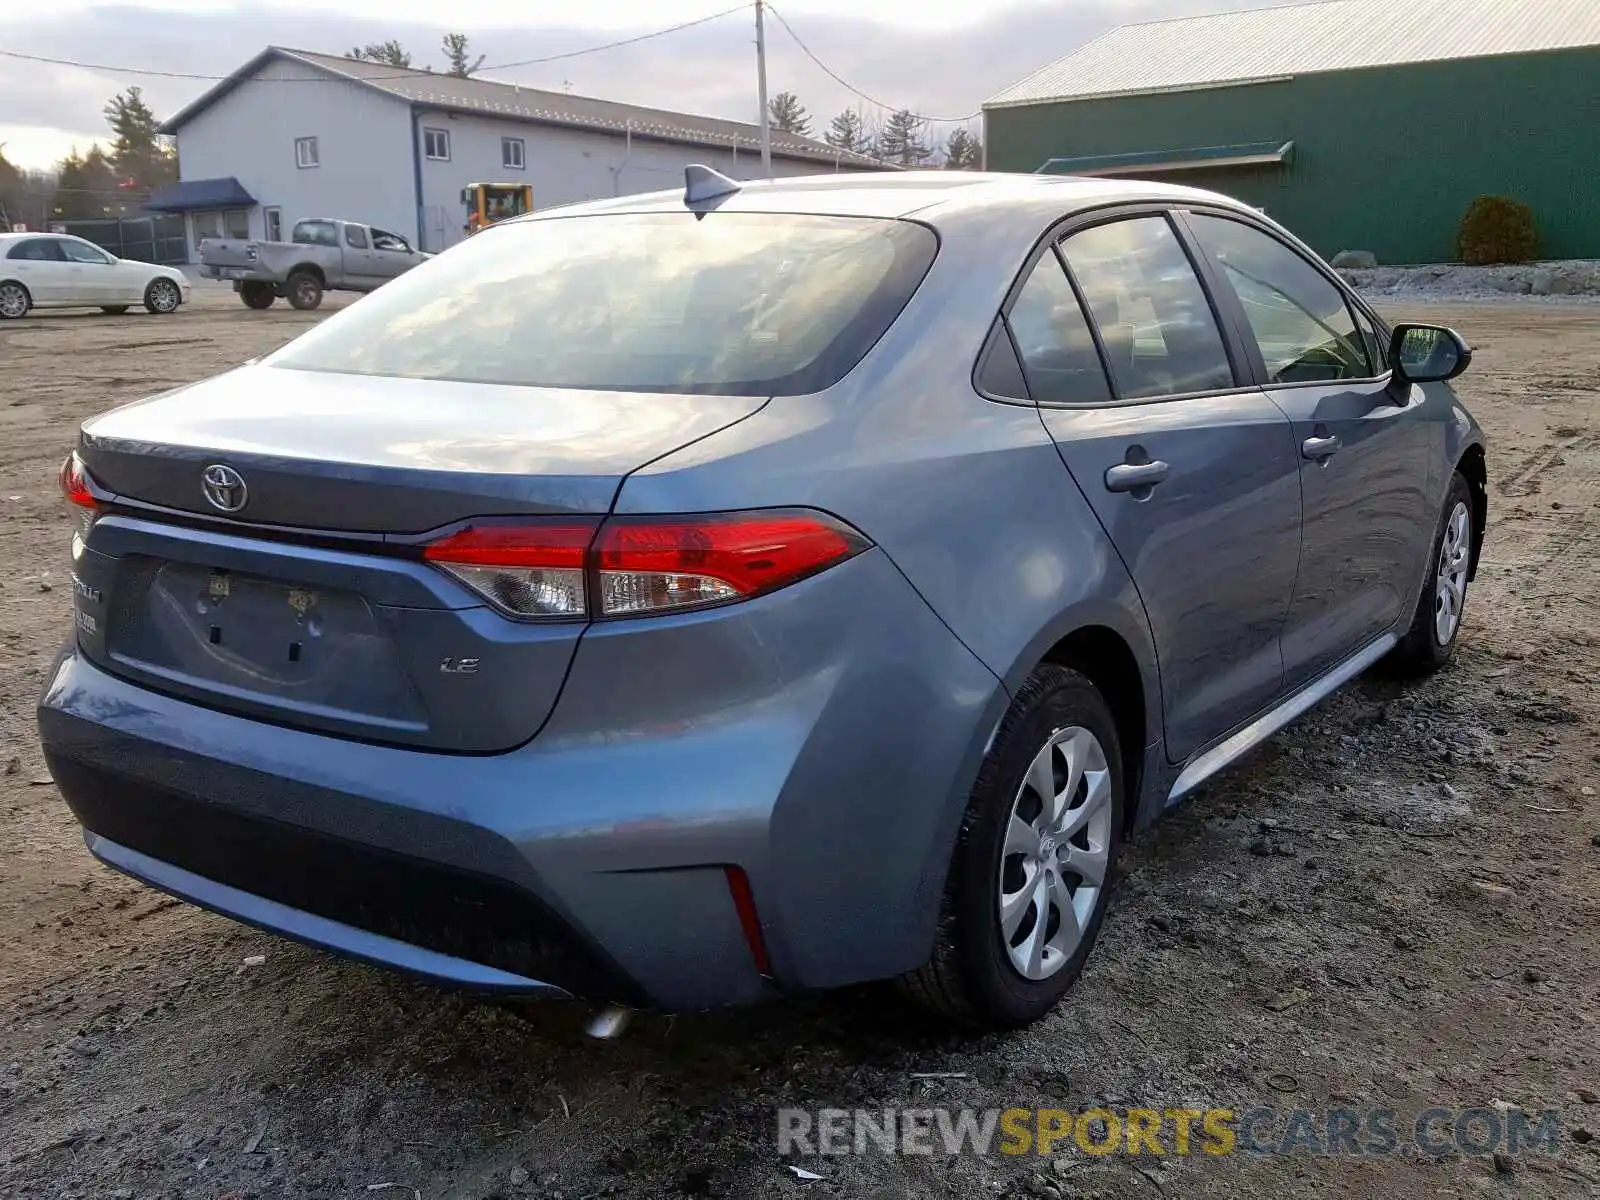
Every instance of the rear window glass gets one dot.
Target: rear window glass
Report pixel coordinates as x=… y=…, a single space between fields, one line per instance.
x=725 y=303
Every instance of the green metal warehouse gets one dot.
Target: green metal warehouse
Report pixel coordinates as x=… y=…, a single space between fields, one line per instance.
x=1361 y=124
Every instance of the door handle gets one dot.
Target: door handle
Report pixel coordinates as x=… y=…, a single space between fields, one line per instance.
x=1130 y=477
x=1319 y=449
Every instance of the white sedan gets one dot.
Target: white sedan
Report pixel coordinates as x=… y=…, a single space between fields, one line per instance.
x=55 y=270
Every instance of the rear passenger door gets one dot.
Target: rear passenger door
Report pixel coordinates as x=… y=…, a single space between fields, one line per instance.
x=42 y=268
x=1364 y=447
x=1191 y=473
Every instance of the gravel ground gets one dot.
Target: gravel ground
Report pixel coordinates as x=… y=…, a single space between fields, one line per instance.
x=1393 y=904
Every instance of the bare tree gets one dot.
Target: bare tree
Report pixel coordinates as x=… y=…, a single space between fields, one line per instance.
x=390 y=53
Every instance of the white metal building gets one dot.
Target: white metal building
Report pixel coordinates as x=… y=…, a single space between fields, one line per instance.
x=293 y=134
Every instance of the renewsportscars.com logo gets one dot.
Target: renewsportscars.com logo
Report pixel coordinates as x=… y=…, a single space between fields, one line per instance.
x=1375 y=1132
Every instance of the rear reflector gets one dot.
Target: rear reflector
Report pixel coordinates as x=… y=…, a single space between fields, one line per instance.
x=641 y=565
x=530 y=569
x=744 y=903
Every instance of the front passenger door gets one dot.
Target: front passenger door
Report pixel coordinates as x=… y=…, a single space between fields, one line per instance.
x=1192 y=475
x=1364 y=452
x=392 y=255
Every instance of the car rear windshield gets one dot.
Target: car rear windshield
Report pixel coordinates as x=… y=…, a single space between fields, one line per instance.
x=721 y=303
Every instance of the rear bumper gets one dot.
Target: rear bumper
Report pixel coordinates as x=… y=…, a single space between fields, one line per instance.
x=822 y=740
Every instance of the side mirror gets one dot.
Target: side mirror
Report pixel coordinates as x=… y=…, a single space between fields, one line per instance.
x=1428 y=353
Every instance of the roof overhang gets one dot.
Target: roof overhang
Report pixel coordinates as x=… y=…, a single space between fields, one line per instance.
x=1163 y=162
x=193 y=195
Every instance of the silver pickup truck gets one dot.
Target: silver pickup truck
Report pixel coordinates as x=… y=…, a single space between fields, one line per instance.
x=321 y=255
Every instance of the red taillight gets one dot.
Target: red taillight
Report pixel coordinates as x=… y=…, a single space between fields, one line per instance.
x=641 y=565
x=75 y=483
x=655 y=564
x=75 y=486
x=530 y=569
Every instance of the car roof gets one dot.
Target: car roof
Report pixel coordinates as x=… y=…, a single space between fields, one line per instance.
x=928 y=194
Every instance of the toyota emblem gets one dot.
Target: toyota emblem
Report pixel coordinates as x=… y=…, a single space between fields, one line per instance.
x=224 y=488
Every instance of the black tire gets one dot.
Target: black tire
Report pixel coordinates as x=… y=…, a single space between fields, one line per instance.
x=970 y=978
x=1422 y=651
x=116 y=310
x=304 y=290
x=162 y=297
x=257 y=294
x=15 y=301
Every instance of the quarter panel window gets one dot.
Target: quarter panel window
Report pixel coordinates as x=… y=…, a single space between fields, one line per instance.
x=1053 y=339
x=1154 y=320
x=1300 y=319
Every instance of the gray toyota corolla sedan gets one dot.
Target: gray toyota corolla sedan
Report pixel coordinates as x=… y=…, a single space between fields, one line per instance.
x=693 y=598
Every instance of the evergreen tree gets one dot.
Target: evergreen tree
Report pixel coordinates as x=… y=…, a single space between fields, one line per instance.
x=900 y=141
x=457 y=55
x=788 y=115
x=86 y=186
x=845 y=132
x=390 y=53
x=141 y=157
x=962 y=151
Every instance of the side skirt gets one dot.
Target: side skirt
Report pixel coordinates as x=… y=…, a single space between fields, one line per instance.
x=1206 y=764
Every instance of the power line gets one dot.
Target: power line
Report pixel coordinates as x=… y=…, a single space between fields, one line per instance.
x=406 y=73
x=849 y=87
x=643 y=37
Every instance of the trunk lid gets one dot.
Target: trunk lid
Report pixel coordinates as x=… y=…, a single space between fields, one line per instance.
x=299 y=607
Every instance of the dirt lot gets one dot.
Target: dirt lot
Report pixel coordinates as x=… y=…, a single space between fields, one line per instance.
x=1396 y=904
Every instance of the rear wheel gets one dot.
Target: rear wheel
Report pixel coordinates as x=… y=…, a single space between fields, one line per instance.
x=1029 y=881
x=305 y=291
x=14 y=301
x=257 y=294
x=1430 y=643
x=162 y=297
x=116 y=310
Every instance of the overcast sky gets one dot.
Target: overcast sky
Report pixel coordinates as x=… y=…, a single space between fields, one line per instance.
x=933 y=56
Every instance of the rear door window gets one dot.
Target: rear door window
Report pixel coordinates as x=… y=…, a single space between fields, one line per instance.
x=1301 y=322
x=355 y=236
x=37 y=250
x=718 y=303
x=1155 y=322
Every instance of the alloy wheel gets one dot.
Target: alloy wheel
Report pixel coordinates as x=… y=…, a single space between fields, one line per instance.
x=163 y=295
x=13 y=301
x=1450 y=591
x=1056 y=854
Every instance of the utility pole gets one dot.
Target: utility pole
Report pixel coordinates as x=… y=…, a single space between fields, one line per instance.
x=761 y=88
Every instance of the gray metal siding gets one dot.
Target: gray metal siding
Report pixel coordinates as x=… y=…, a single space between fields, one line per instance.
x=565 y=166
x=363 y=142
x=1385 y=160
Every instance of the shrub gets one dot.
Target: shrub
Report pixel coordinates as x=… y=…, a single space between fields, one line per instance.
x=1497 y=229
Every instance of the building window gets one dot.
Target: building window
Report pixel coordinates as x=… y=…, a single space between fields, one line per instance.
x=231 y=223
x=436 y=144
x=511 y=154
x=274 y=222
x=305 y=153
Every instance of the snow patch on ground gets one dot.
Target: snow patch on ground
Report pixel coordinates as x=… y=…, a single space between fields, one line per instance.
x=1575 y=279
